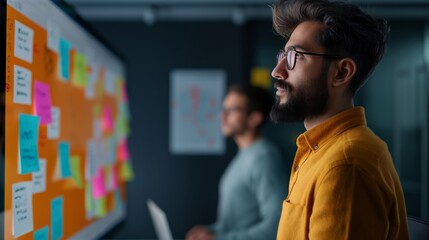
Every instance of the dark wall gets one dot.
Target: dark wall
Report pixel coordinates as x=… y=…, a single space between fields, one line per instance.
x=185 y=187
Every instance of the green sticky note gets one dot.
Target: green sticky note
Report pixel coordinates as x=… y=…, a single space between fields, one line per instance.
x=127 y=173
x=100 y=207
x=80 y=72
x=75 y=167
x=89 y=206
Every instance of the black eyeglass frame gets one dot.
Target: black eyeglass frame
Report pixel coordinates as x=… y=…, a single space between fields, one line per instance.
x=283 y=54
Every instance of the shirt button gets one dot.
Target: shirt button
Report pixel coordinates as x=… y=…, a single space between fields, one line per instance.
x=316 y=147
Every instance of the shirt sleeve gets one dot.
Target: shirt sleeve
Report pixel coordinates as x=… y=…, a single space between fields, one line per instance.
x=348 y=204
x=269 y=183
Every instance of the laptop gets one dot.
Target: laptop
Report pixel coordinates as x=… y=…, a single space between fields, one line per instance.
x=159 y=220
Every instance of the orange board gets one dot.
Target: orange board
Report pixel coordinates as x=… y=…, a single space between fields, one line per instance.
x=90 y=116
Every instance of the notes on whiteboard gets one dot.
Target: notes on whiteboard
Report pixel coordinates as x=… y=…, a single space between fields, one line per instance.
x=22 y=207
x=42 y=101
x=57 y=220
x=39 y=178
x=64 y=157
x=23 y=42
x=21 y=85
x=28 y=151
x=53 y=36
x=41 y=234
x=65 y=47
x=54 y=127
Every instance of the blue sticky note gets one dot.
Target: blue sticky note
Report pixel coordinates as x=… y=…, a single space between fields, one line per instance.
x=57 y=217
x=28 y=139
x=64 y=148
x=41 y=234
x=65 y=58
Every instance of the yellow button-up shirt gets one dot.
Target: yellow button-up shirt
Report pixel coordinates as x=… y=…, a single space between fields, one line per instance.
x=343 y=185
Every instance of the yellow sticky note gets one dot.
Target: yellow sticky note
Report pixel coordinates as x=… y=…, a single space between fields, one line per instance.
x=260 y=76
x=76 y=173
x=80 y=71
x=127 y=173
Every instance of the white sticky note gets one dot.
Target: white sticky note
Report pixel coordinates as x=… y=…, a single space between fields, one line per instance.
x=91 y=160
x=92 y=80
x=55 y=126
x=39 y=178
x=98 y=130
x=21 y=85
x=22 y=207
x=109 y=83
x=23 y=42
x=53 y=36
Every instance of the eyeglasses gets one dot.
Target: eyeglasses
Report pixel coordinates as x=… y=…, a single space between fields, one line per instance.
x=230 y=110
x=291 y=54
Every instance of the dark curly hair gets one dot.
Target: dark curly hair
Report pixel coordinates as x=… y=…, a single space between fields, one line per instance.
x=349 y=31
x=258 y=99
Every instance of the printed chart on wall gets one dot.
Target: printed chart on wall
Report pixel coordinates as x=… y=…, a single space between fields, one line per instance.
x=67 y=118
x=196 y=99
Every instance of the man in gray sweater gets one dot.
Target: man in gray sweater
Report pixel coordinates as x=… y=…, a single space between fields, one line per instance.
x=255 y=183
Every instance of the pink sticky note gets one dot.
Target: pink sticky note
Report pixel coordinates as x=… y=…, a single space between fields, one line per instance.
x=99 y=188
x=123 y=154
x=42 y=102
x=107 y=121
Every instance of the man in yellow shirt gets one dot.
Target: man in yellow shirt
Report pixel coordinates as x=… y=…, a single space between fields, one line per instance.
x=343 y=183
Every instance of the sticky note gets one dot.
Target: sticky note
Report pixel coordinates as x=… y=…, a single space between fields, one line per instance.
x=65 y=59
x=127 y=173
x=109 y=83
x=89 y=201
x=57 y=220
x=76 y=172
x=261 y=77
x=23 y=42
x=22 y=207
x=54 y=128
x=64 y=155
x=80 y=73
x=28 y=151
x=92 y=80
x=123 y=154
x=41 y=234
x=39 y=177
x=91 y=160
x=100 y=207
x=107 y=120
x=21 y=85
x=42 y=101
x=98 y=185
x=54 y=35
x=114 y=179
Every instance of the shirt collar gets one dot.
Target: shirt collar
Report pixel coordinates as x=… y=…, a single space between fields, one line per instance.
x=333 y=126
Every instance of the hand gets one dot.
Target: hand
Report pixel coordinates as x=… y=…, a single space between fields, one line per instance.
x=199 y=232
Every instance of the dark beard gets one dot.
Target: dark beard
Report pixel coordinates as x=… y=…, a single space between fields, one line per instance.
x=308 y=102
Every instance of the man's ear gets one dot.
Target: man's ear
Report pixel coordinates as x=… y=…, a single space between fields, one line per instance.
x=344 y=72
x=255 y=119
